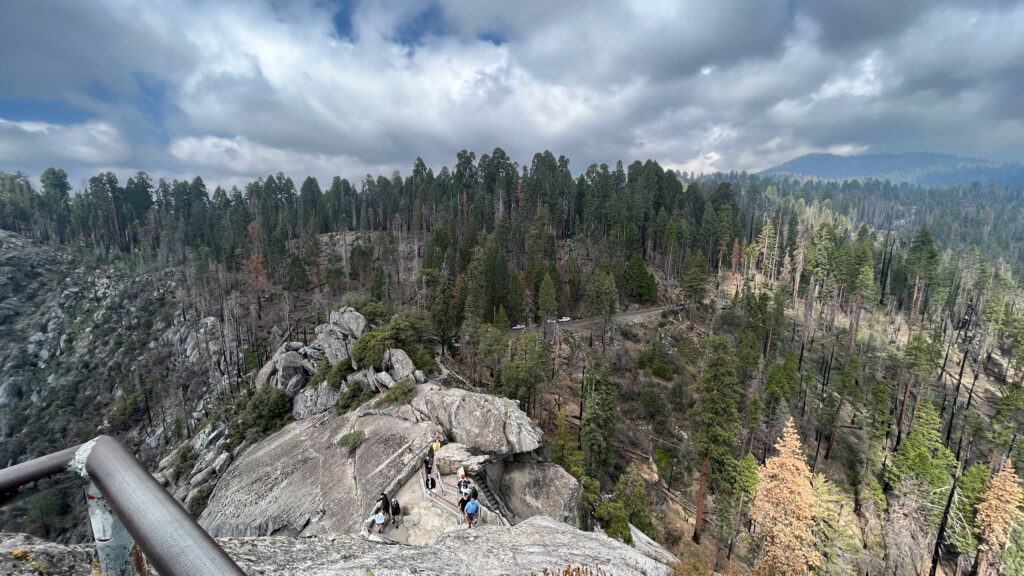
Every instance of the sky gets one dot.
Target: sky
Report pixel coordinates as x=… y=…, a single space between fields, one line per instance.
x=231 y=90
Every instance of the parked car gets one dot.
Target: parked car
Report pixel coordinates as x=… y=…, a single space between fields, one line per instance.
x=518 y=327
x=550 y=320
x=680 y=304
x=564 y=319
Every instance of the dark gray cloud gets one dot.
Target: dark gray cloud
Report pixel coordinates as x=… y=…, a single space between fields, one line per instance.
x=235 y=89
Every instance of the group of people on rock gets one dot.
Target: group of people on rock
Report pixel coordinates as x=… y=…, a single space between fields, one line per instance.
x=468 y=503
x=386 y=509
x=390 y=510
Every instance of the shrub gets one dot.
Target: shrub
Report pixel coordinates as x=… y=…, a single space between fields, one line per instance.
x=614 y=521
x=266 y=411
x=661 y=370
x=199 y=501
x=652 y=402
x=184 y=460
x=401 y=393
x=629 y=334
x=333 y=375
x=353 y=397
x=352 y=440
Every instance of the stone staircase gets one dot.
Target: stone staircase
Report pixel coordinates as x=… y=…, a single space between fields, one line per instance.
x=490 y=499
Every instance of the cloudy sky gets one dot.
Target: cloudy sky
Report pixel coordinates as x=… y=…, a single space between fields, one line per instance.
x=235 y=89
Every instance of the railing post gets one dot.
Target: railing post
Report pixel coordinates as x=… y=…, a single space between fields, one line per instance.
x=119 y=556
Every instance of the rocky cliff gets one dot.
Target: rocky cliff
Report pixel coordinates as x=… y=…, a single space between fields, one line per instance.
x=528 y=548
x=322 y=474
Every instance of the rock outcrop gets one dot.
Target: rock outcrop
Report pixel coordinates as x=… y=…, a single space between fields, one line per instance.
x=484 y=423
x=531 y=547
x=453 y=456
x=314 y=400
x=542 y=488
x=301 y=481
x=289 y=368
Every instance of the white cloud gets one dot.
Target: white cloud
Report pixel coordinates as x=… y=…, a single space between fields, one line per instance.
x=90 y=142
x=250 y=88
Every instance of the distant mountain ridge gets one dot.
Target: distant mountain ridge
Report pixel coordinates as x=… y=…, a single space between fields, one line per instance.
x=923 y=168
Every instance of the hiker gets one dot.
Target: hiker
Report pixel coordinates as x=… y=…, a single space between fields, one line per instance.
x=464 y=484
x=436 y=444
x=380 y=520
x=428 y=465
x=431 y=483
x=384 y=503
x=396 y=511
x=463 y=501
x=472 y=507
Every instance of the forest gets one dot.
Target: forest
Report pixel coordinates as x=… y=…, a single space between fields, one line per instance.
x=835 y=383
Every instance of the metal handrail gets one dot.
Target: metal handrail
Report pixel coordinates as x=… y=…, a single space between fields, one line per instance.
x=169 y=537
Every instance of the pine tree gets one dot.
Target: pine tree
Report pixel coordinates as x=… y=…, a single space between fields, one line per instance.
x=546 y=301
x=998 y=514
x=922 y=455
x=716 y=417
x=631 y=490
x=783 y=509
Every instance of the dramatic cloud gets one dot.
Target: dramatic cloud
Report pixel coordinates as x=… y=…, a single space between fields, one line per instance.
x=234 y=90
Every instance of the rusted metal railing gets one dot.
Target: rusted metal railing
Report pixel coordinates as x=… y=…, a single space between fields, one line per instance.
x=131 y=514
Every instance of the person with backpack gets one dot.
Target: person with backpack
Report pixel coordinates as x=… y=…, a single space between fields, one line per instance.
x=384 y=504
x=463 y=484
x=396 y=511
x=380 y=520
x=472 y=507
x=463 y=501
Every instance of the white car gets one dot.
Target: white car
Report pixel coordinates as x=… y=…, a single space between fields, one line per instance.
x=550 y=320
x=518 y=327
x=564 y=319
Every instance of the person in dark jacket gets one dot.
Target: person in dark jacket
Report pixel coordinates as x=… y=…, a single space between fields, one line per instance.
x=396 y=511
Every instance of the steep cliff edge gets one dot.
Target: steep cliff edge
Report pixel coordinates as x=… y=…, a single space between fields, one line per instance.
x=527 y=548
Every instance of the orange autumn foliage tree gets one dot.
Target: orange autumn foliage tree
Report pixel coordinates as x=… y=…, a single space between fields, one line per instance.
x=998 y=513
x=783 y=510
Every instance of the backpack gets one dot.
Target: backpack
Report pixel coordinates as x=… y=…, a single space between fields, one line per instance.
x=472 y=493
x=471 y=507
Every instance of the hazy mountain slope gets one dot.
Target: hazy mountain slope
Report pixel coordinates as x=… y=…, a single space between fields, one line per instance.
x=923 y=168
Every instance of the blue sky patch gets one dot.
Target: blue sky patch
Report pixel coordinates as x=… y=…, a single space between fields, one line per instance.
x=52 y=111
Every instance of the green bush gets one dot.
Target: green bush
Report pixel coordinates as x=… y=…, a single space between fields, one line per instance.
x=652 y=402
x=184 y=460
x=661 y=370
x=401 y=393
x=614 y=521
x=333 y=375
x=354 y=396
x=266 y=411
x=199 y=501
x=352 y=440
x=629 y=334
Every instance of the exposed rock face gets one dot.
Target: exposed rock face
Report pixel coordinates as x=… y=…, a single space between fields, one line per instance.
x=450 y=457
x=315 y=400
x=350 y=322
x=484 y=423
x=289 y=368
x=532 y=489
x=398 y=363
x=531 y=547
x=650 y=548
x=19 y=553
x=299 y=481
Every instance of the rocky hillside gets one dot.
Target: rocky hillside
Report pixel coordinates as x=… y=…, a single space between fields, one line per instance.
x=530 y=547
